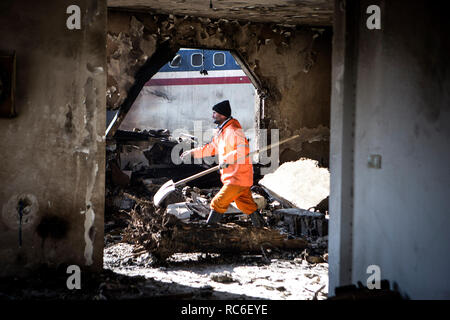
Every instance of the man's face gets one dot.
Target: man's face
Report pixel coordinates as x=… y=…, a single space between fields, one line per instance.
x=218 y=118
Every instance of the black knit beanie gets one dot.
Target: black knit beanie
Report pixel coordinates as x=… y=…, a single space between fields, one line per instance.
x=223 y=108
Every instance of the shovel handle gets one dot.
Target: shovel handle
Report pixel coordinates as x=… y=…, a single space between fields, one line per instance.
x=196 y=176
x=201 y=174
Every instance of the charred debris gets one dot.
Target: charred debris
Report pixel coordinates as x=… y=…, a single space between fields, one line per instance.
x=139 y=162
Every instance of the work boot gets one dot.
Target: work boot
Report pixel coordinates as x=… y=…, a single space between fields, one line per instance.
x=214 y=217
x=257 y=220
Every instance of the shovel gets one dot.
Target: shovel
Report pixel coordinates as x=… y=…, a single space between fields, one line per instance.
x=170 y=186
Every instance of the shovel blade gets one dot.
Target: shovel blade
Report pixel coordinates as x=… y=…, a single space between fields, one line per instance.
x=163 y=192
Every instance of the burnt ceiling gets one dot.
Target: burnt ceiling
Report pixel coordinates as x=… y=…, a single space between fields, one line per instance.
x=292 y=12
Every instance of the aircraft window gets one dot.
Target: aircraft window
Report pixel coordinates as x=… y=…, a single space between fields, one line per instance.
x=196 y=59
x=176 y=62
x=219 y=59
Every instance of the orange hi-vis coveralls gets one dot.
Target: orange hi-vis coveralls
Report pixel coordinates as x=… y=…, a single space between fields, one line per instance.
x=232 y=147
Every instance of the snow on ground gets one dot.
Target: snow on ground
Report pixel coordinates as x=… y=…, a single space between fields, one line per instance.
x=301 y=182
x=240 y=278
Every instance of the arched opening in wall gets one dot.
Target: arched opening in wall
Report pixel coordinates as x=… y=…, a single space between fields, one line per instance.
x=180 y=96
x=173 y=112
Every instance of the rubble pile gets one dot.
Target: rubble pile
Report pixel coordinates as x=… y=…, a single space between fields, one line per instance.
x=163 y=234
x=139 y=164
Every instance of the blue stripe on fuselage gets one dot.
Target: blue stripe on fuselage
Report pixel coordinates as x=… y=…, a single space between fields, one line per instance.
x=186 y=65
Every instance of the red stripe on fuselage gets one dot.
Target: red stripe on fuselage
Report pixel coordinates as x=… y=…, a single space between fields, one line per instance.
x=197 y=81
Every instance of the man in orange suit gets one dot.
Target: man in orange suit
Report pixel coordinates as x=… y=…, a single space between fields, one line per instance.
x=236 y=171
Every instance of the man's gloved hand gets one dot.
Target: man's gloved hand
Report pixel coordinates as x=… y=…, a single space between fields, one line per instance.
x=223 y=165
x=185 y=155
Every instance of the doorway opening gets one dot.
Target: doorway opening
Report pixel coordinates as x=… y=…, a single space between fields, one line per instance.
x=165 y=115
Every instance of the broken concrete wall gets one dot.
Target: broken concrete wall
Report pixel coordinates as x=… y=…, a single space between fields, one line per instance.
x=399 y=214
x=291 y=67
x=299 y=12
x=127 y=50
x=53 y=152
